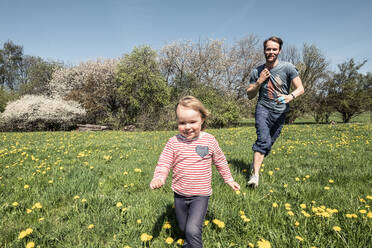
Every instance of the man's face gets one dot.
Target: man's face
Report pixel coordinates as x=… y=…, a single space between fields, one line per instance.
x=271 y=51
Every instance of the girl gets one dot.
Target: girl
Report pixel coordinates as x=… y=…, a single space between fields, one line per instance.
x=190 y=155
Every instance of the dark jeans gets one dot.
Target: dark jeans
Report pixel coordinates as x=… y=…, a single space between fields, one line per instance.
x=190 y=213
x=268 y=127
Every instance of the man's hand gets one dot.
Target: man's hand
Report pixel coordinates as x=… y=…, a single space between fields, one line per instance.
x=156 y=183
x=265 y=74
x=282 y=99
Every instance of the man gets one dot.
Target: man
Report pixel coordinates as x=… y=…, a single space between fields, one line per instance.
x=273 y=81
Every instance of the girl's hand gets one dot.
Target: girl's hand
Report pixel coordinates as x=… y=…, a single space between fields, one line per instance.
x=156 y=183
x=234 y=185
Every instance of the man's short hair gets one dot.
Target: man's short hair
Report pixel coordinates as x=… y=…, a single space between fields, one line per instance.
x=274 y=39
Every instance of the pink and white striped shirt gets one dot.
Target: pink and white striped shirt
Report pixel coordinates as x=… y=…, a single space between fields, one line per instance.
x=190 y=161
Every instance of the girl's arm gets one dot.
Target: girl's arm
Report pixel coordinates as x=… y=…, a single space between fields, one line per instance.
x=162 y=168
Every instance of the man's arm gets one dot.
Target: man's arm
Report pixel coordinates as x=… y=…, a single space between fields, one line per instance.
x=298 y=91
x=252 y=89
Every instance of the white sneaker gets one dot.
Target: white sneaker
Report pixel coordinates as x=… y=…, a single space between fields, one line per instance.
x=253 y=181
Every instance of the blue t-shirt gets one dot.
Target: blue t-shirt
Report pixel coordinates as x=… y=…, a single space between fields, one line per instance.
x=279 y=82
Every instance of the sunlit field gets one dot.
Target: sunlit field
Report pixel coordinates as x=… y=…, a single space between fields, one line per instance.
x=90 y=189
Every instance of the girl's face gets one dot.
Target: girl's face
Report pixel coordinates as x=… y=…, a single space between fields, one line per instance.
x=189 y=122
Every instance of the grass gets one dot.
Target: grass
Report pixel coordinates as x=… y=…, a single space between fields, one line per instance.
x=91 y=189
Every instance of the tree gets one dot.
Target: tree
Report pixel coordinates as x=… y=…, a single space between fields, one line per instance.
x=142 y=88
x=11 y=57
x=347 y=90
x=313 y=71
x=36 y=74
x=93 y=84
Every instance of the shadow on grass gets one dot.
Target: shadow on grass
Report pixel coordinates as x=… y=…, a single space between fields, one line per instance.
x=169 y=215
x=244 y=168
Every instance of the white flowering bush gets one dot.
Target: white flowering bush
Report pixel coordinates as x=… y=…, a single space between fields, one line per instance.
x=37 y=113
x=93 y=84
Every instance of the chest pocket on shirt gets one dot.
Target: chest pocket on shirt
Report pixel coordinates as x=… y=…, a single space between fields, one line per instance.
x=202 y=151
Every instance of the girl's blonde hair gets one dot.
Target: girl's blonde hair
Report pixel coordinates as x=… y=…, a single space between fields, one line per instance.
x=194 y=103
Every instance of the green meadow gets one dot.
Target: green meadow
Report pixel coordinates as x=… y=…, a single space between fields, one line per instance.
x=91 y=189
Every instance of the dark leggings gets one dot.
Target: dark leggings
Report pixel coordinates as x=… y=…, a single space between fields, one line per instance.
x=190 y=213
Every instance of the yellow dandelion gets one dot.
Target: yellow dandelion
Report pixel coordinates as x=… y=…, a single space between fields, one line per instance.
x=15 y=204
x=290 y=213
x=299 y=238
x=90 y=226
x=26 y=186
x=326 y=188
x=37 y=205
x=22 y=234
x=119 y=204
x=297 y=223
x=30 y=245
x=362 y=200
x=297 y=179
x=362 y=211
x=244 y=170
x=83 y=200
x=348 y=216
x=169 y=240
x=285 y=185
x=237 y=192
x=369 y=215
x=251 y=245
x=206 y=223
x=139 y=221
x=331 y=181
x=241 y=212
x=28 y=210
x=270 y=173
x=369 y=197
x=180 y=242
x=277 y=168
x=76 y=197
x=263 y=244
x=275 y=205
x=137 y=170
x=336 y=228
x=303 y=206
x=28 y=231
x=145 y=237
x=125 y=172
x=127 y=246
x=167 y=225
x=307 y=176
x=219 y=223
x=41 y=219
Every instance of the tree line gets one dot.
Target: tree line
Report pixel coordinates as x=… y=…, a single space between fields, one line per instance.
x=141 y=88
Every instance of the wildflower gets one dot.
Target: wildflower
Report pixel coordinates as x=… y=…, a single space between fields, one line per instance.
x=299 y=238
x=206 y=223
x=270 y=173
x=336 y=228
x=30 y=245
x=290 y=213
x=25 y=233
x=219 y=223
x=251 y=245
x=237 y=192
x=180 y=241
x=303 y=206
x=307 y=176
x=139 y=221
x=369 y=197
x=331 y=181
x=285 y=185
x=90 y=226
x=277 y=168
x=125 y=173
x=37 y=205
x=263 y=244
x=119 y=204
x=107 y=157
x=169 y=240
x=167 y=225
x=28 y=210
x=275 y=205
x=41 y=219
x=127 y=246
x=362 y=211
x=137 y=170
x=145 y=237
x=26 y=186
x=297 y=179
x=369 y=215
x=83 y=200
x=348 y=216
x=326 y=188
x=297 y=223
x=15 y=204
x=362 y=200
x=76 y=197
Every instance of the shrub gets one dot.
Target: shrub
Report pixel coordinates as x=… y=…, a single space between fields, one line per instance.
x=37 y=113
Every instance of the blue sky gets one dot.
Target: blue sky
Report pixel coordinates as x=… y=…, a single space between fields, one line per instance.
x=74 y=31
